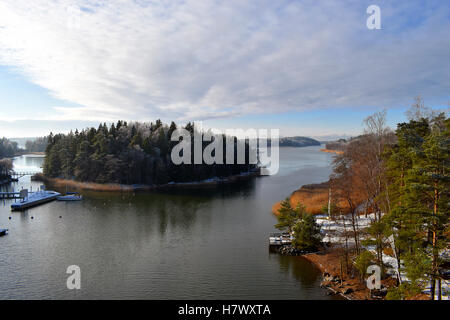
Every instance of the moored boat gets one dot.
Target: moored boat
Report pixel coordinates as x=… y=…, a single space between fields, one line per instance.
x=70 y=196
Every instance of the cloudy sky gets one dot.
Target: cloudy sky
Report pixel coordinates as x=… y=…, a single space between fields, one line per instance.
x=309 y=67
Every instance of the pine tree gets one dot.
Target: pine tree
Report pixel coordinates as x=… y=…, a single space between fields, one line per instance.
x=418 y=215
x=307 y=234
x=288 y=216
x=429 y=185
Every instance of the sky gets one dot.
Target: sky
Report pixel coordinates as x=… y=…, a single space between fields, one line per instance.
x=307 y=67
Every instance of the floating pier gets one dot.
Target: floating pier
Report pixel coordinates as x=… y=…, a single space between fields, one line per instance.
x=35 y=199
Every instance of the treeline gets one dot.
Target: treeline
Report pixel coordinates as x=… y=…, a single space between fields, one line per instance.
x=417 y=201
x=37 y=145
x=8 y=148
x=298 y=142
x=402 y=178
x=130 y=153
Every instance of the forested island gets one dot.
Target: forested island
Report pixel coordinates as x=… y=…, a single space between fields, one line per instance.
x=298 y=142
x=386 y=204
x=131 y=153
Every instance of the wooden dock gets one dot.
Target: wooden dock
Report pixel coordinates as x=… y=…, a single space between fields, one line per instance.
x=17 y=175
x=279 y=239
x=14 y=176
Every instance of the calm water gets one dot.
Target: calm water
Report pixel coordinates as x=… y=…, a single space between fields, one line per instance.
x=191 y=244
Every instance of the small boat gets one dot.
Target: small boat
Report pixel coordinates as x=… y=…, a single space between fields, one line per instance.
x=3 y=232
x=70 y=196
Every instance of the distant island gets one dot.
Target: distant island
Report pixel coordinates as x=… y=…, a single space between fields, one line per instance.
x=339 y=146
x=297 y=142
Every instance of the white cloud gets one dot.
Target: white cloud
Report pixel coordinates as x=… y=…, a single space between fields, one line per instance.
x=208 y=59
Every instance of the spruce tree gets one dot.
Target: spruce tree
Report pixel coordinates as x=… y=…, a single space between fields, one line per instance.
x=307 y=234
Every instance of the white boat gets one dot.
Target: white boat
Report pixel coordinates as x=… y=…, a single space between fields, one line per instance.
x=3 y=232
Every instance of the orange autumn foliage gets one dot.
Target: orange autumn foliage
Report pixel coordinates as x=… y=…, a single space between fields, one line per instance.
x=315 y=196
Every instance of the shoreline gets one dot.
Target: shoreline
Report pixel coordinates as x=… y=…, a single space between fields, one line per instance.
x=322 y=261
x=312 y=196
x=332 y=151
x=347 y=286
x=114 y=187
x=31 y=153
x=338 y=277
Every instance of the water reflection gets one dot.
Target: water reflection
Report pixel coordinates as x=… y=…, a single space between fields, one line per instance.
x=28 y=163
x=180 y=244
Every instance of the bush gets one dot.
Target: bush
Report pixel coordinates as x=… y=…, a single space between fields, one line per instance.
x=363 y=261
x=405 y=290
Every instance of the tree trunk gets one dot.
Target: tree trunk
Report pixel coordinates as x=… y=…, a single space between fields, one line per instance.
x=435 y=254
x=433 y=287
x=439 y=289
x=355 y=232
x=329 y=203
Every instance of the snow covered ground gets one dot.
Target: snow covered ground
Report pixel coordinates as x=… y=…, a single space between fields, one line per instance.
x=333 y=232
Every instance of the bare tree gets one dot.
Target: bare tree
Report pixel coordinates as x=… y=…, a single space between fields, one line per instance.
x=343 y=180
x=371 y=161
x=419 y=111
x=359 y=175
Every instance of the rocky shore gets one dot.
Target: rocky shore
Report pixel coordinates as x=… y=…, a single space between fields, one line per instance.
x=336 y=283
x=290 y=250
x=348 y=286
